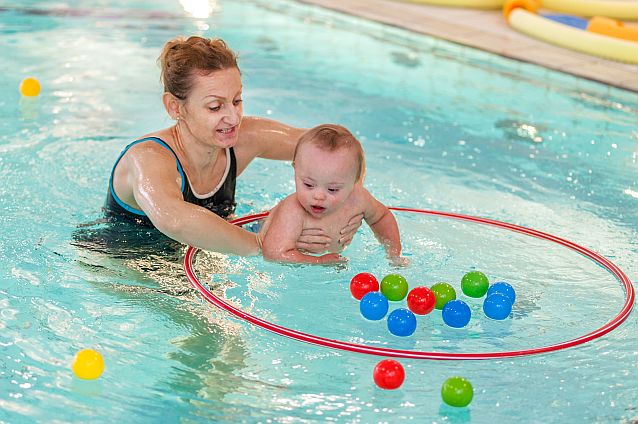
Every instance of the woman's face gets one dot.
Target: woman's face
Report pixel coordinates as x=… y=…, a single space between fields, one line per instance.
x=213 y=109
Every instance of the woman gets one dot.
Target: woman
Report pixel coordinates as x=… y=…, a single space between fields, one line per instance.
x=181 y=180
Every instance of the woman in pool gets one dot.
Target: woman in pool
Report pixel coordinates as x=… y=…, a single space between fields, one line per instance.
x=181 y=180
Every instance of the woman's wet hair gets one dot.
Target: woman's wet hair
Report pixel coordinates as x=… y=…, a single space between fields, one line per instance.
x=331 y=137
x=182 y=58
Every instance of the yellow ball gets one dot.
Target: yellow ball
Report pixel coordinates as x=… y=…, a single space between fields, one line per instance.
x=30 y=87
x=88 y=364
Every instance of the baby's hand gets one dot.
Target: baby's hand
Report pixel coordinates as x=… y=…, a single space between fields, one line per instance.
x=399 y=261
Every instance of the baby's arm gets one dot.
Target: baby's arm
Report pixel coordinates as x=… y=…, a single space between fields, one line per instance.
x=279 y=237
x=383 y=224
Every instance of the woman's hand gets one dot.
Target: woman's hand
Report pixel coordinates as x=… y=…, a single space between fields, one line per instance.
x=313 y=240
x=332 y=259
x=348 y=232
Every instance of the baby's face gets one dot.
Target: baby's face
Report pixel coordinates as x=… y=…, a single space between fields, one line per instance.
x=324 y=179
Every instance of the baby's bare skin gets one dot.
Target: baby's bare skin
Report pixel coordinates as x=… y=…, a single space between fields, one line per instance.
x=331 y=225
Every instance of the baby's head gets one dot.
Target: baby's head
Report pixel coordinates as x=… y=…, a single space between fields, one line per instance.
x=332 y=138
x=328 y=162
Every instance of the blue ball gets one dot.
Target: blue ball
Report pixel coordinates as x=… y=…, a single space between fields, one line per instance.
x=456 y=313
x=401 y=322
x=373 y=306
x=503 y=288
x=497 y=306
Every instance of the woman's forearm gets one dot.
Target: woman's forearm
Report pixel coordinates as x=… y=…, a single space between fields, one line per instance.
x=295 y=256
x=198 y=227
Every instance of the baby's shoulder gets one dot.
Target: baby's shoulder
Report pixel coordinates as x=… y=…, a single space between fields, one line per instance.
x=289 y=206
x=360 y=195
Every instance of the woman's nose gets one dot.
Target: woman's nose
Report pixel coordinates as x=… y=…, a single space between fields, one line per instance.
x=234 y=115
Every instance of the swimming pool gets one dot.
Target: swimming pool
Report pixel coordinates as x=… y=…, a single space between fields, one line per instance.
x=444 y=127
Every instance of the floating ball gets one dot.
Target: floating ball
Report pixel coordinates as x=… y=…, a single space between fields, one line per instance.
x=443 y=292
x=497 y=306
x=503 y=288
x=474 y=284
x=401 y=322
x=88 y=364
x=362 y=284
x=388 y=374
x=457 y=391
x=394 y=287
x=456 y=313
x=30 y=87
x=373 y=306
x=421 y=300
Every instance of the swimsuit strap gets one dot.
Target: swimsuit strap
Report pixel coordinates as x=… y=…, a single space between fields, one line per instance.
x=161 y=143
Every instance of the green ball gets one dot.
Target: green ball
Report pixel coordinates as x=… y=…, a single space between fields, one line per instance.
x=475 y=284
x=394 y=287
x=457 y=391
x=443 y=293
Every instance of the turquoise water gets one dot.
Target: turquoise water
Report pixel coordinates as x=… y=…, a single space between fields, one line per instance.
x=444 y=127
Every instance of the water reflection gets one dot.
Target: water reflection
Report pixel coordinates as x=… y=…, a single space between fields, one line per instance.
x=142 y=267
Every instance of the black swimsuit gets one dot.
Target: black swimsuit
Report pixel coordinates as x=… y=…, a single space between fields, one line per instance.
x=220 y=201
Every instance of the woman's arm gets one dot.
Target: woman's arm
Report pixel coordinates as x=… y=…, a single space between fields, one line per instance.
x=268 y=139
x=153 y=179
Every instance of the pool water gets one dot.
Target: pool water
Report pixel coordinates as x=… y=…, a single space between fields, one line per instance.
x=444 y=127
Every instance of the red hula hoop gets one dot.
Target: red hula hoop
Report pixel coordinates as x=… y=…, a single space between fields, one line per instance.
x=370 y=350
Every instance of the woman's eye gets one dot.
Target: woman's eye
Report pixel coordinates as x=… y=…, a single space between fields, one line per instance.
x=238 y=101
x=215 y=108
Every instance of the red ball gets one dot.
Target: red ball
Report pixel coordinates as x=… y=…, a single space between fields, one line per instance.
x=421 y=300
x=389 y=374
x=362 y=284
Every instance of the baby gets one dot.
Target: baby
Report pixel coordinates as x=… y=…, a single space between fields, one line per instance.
x=329 y=169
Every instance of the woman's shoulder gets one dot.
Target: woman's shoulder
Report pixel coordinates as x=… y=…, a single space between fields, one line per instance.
x=153 y=145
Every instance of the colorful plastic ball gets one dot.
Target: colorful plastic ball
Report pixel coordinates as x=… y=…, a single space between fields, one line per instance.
x=456 y=313
x=475 y=284
x=457 y=391
x=389 y=374
x=30 y=87
x=401 y=322
x=503 y=288
x=362 y=284
x=443 y=292
x=421 y=300
x=88 y=364
x=497 y=306
x=373 y=306
x=394 y=287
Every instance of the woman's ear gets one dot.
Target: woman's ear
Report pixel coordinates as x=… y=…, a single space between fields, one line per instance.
x=172 y=105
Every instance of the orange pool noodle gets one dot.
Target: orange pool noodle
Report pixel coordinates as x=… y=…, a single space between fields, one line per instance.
x=612 y=28
x=529 y=5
